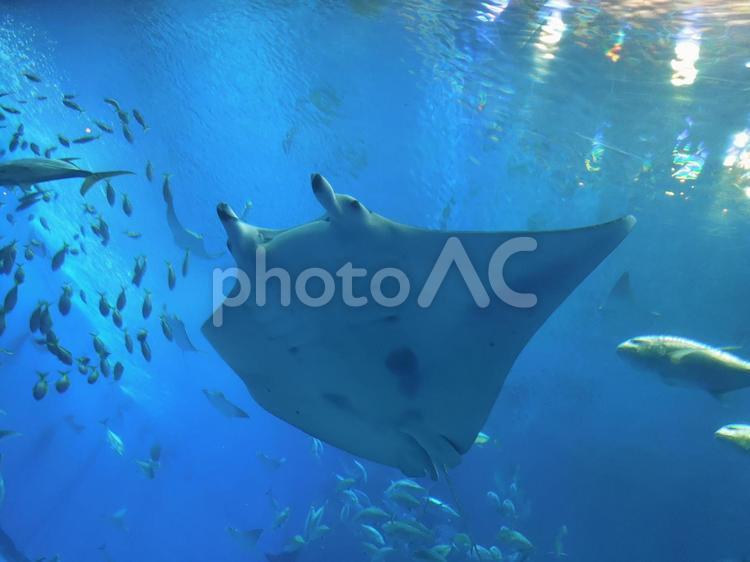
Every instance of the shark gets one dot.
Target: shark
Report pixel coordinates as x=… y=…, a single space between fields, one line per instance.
x=26 y=172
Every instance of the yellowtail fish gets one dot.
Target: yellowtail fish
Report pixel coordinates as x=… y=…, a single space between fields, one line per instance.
x=437 y=553
x=558 y=551
x=482 y=439
x=31 y=77
x=115 y=441
x=281 y=517
x=104 y=127
x=514 y=540
x=407 y=531
x=141 y=121
x=684 y=362
x=736 y=433
x=373 y=514
x=441 y=506
x=223 y=405
x=405 y=484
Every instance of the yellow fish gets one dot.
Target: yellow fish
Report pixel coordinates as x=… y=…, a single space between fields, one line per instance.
x=482 y=439
x=684 y=362
x=737 y=433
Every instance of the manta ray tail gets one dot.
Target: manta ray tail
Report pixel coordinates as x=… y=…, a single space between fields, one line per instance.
x=96 y=177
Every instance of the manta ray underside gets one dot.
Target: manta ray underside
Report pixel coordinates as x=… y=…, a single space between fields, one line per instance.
x=410 y=385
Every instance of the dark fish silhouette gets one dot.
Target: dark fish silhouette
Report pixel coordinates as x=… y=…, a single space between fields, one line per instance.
x=184 y=238
x=29 y=171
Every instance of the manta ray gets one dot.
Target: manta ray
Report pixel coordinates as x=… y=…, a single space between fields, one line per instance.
x=185 y=238
x=408 y=385
x=26 y=172
x=180 y=334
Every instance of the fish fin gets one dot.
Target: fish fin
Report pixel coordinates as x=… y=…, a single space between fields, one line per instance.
x=731 y=348
x=678 y=356
x=96 y=177
x=70 y=159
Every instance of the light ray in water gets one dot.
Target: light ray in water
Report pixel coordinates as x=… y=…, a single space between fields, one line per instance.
x=610 y=147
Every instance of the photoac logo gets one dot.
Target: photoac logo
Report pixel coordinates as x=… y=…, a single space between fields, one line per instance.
x=452 y=254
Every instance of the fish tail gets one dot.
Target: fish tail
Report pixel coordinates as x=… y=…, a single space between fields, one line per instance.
x=96 y=177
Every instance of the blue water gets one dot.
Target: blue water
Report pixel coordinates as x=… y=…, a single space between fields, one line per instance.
x=452 y=115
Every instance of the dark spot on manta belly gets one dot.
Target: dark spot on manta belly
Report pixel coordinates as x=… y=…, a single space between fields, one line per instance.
x=294 y=350
x=339 y=400
x=404 y=363
x=390 y=319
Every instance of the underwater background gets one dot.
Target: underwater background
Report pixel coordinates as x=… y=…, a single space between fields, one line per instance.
x=494 y=115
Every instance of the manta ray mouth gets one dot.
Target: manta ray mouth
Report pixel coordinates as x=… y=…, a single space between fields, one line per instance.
x=226 y=213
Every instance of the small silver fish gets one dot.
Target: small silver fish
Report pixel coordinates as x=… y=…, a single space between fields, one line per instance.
x=220 y=402
x=31 y=77
x=141 y=121
x=104 y=127
x=127 y=134
x=69 y=103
